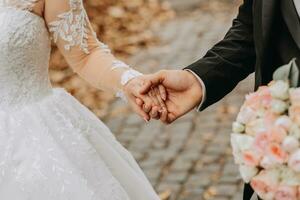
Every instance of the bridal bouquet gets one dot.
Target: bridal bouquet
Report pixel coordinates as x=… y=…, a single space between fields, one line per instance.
x=266 y=137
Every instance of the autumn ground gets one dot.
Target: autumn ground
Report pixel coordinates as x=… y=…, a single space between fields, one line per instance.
x=190 y=159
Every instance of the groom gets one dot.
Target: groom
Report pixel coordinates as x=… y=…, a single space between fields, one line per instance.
x=264 y=36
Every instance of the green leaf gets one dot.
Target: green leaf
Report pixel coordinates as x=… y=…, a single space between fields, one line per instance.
x=288 y=72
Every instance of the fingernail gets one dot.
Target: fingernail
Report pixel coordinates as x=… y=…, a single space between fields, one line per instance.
x=146 y=120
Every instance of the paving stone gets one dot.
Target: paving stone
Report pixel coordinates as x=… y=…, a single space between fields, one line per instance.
x=230 y=169
x=199 y=180
x=150 y=164
x=190 y=155
x=173 y=188
x=176 y=177
x=193 y=154
x=230 y=179
x=192 y=194
x=226 y=190
x=181 y=165
x=237 y=196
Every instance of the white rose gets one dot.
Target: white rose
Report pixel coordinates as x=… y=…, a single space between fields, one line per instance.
x=278 y=106
x=246 y=115
x=294 y=161
x=289 y=177
x=260 y=113
x=255 y=126
x=268 y=162
x=294 y=131
x=290 y=144
x=247 y=172
x=238 y=127
x=240 y=143
x=284 y=121
x=295 y=96
x=280 y=90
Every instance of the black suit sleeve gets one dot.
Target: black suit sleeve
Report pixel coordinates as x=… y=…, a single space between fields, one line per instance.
x=229 y=61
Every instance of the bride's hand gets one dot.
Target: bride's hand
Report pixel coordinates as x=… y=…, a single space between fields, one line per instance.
x=154 y=99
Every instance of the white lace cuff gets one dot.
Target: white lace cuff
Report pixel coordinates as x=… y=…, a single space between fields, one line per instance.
x=125 y=78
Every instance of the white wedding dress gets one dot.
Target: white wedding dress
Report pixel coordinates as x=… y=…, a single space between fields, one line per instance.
x=51 y=146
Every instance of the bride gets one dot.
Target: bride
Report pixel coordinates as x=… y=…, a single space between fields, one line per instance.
x=51 y=146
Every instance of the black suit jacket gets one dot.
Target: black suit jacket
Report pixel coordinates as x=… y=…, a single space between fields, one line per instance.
x=248 y=47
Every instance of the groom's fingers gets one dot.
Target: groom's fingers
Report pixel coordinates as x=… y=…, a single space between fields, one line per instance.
x=171 y=118
x=160 y=99
x=164 y=116
x=163 y=92
x=152 y=81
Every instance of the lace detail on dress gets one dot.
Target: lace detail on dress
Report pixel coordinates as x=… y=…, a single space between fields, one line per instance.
x=19 y=4
x=119 y=64
x=72 y=27
x=24 y=58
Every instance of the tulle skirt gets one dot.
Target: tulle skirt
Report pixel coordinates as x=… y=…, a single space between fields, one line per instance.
x=56 y=149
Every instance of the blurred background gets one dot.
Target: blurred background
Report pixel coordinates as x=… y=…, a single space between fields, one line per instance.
x=190 y=159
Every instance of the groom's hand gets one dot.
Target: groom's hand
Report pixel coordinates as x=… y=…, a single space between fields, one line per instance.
x=184 y=92
x=154 y=99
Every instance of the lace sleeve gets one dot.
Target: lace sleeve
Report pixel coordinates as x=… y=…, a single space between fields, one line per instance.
x=71 y=30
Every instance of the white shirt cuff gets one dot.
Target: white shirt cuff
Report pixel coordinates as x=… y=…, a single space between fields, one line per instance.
x=203 y=89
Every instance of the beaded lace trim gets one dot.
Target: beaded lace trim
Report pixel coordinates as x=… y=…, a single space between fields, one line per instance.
x=20 y=4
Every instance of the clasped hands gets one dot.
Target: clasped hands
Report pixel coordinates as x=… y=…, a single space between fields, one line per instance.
x=166 y=95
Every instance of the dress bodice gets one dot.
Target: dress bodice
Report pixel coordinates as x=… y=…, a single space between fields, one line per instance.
x=25 y=50
x=24 y=57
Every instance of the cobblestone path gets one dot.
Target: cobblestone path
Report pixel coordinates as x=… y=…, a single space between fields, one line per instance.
x=192 y=157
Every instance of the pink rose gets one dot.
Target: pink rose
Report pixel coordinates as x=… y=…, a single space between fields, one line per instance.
x=277 y=134
x=261 y=141
x=270 y=119
x=253 y=101
x=251 y=158
x=286 y=193
x=284 y=122
x=259 y=99
x=294 y=161
x=294 y=112
x=277 y=153
x=265 y=183
x=246 y=115
x=295 y=96
x=265 y=96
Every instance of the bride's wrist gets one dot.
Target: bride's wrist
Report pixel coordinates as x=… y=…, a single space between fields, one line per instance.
x=126 y=77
